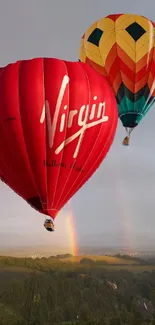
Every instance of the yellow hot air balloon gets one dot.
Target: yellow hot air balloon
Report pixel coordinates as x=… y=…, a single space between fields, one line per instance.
x=122 y=48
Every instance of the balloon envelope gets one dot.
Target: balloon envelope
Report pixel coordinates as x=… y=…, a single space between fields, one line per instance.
x=122 y=48
x=57 y=122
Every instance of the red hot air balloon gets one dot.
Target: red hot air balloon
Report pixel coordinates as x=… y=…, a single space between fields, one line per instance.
x=56 y=126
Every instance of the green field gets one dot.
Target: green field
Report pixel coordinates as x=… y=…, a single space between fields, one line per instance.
x=67 y=262
x=107 y=259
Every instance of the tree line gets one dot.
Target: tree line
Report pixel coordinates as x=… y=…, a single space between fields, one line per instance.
x=47 y=291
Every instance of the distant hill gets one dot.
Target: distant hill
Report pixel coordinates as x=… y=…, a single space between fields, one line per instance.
x=67 y=262
x=68 y=258
x=106 y=259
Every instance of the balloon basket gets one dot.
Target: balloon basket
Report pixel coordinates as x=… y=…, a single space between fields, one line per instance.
x=49 y=225
x=126 y=141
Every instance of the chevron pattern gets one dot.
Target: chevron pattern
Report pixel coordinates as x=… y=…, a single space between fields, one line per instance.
x=122 y=48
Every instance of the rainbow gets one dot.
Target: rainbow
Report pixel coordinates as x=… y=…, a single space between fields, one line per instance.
x=124 y=205
x=71 y=227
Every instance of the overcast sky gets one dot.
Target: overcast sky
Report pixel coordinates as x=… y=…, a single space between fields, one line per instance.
x=117 y=206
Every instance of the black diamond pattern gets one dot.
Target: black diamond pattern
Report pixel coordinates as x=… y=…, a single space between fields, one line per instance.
x=95 y=36
x=135 y=31
x=124 y=91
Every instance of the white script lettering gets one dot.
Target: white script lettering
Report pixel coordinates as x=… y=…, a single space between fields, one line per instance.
x=84 y=115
